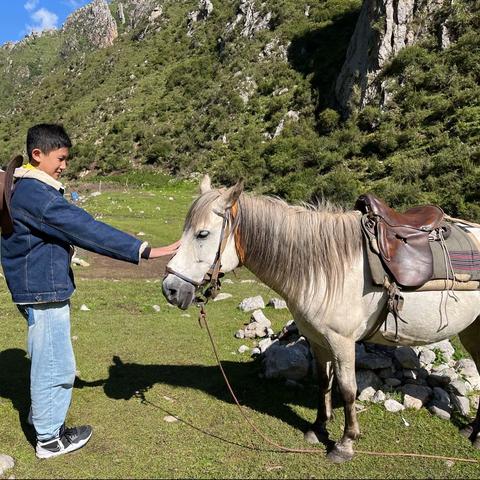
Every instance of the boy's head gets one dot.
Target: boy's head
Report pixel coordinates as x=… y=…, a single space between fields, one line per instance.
x=48 y=147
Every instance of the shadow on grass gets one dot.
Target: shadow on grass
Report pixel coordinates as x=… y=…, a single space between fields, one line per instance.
x=125 y=380
x=15 y=386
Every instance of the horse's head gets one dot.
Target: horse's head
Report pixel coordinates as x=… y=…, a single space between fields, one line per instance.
x=207 y=244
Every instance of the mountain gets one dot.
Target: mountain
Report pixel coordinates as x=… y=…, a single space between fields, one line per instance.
x=305 y=99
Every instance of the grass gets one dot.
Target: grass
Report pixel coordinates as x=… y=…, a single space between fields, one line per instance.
x=123 y=346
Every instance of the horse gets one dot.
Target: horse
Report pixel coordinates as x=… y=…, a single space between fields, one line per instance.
x=315 y=258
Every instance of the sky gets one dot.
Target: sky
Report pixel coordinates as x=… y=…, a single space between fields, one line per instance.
x=20 y=17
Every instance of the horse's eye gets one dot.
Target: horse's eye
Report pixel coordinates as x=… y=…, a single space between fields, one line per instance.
x=203 y=234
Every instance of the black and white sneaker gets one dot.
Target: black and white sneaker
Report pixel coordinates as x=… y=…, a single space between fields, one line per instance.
x=68 y=440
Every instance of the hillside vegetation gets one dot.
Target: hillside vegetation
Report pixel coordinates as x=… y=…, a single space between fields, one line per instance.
x=209 y=97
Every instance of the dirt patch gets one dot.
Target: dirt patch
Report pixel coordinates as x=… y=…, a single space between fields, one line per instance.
x=104 y=267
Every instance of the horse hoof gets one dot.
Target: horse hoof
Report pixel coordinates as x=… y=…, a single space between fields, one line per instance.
x=337 y=455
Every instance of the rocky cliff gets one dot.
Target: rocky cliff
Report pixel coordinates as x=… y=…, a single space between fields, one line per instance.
x=384 y=28
x=89 y=28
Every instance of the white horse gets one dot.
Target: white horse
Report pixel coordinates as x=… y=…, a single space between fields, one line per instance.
x=315 y=259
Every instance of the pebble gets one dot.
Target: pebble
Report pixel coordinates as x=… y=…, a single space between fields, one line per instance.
x=156 y=308
x=6 y=463
x=84 y=308
x=170 y=419
x=243 y=349
x=222 y=296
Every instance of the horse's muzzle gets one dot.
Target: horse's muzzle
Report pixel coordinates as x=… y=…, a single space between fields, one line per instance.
x=178 y=292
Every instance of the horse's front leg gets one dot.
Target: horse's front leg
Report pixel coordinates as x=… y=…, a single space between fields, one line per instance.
x=344 y=368
x=318 y=432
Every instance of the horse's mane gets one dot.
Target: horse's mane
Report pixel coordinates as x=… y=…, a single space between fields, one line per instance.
x=295 y=242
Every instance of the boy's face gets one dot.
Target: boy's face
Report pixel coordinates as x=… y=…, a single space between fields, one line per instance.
x=53 y=163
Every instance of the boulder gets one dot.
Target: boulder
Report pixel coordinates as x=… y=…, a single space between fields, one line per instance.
x=407 y=358
x=251 y=303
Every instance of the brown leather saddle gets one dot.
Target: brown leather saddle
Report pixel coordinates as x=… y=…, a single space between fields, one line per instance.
x=402 y=239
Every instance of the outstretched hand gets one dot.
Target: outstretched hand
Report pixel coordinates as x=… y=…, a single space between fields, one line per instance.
x=164 y=251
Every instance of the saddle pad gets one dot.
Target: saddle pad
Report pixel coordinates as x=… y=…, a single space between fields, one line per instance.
x=464 y=253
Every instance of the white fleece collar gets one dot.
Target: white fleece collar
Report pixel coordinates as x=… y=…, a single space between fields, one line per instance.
x=39 y=175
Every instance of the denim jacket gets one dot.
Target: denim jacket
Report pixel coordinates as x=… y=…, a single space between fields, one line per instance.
x=36 y=256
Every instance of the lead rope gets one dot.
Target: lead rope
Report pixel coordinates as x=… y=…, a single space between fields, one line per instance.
x=202 y=319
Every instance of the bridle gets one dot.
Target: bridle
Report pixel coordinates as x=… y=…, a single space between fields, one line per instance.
x=212 y=277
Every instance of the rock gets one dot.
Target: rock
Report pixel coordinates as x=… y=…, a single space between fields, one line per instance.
x=256 y=351
x=407 y=358
x=379 y=397
x=170 y=419
x=412 y=402
x=291 y=361
x=156 y=308
x=383 y=29
x=372 y=361
x=386 y=372
x=79 y=261
x=441 y=378
x=393 y=406
x=243 y=349
x=259 y=317
x=277 y=303
x=204 y=10
x=240 y=334
x=440 y=396
x=417 y=391
x=222 y=296
x=367 y=378
x=293 y=384
x=445 y=347
x=84 y=308
x=6 y=463
x=393 y=382
x=466 y=367
x=426 y=357
x=441 y=411
x=252 y=21
x=462 y=404
x=367 y=394
x=266 y=343
x=458 y=387
x=251 y=303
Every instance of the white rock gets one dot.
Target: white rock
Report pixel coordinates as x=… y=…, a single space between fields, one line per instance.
x=228 y=281
x=186 y=315
x=170 y=419
x=367 y=394
x=256 y=351
x=95 y=194
x=84 y=308
x=277 y=303
x=412 y=402
x=243 y=349
x=79 y=261
x=265 y=343
x=462 y=404
x=222 y=296
x=251 y=303
x=440 y=411
x=156 y=308
x=6 y=463
x=240 y=334
x=379 y=397
x=393 y=406
x=140 y=234
x=290 y=361
x=259 y=317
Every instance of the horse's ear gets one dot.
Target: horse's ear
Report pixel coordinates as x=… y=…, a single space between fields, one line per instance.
x=231 y=195
x=205 y=184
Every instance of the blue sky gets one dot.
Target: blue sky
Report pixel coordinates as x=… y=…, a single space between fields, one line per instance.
x=19 y=17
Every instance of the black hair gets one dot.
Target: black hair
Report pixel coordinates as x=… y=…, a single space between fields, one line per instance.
x=47 y=137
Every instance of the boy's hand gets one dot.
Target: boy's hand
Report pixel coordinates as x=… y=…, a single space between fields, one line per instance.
x=164 y=251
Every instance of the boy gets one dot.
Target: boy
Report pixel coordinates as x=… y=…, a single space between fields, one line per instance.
x=36 y=264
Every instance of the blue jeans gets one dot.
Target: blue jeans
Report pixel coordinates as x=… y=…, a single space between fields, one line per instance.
x=52 y=372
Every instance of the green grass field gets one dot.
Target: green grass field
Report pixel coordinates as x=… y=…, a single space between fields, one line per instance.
x=123 y=346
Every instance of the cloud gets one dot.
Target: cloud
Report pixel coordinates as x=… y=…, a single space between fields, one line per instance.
x=44 y=20
x=31 y=5
x=73 y=3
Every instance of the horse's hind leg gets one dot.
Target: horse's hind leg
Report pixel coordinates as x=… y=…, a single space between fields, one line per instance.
x=318 y=432
x=344 y=368
x=470 y=339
